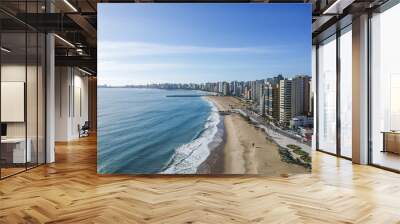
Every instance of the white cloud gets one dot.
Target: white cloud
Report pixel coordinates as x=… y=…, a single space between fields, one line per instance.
x=121 y=67
x=120 y=63
x=122 y=73
x=120 y=49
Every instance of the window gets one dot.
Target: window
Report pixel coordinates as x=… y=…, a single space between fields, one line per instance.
x=346 y=92
x=385 y=89
x=327 y=95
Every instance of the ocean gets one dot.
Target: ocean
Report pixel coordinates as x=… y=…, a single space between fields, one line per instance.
x=142 y=131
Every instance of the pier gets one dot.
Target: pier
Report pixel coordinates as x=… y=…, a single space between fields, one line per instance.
x=187 y=95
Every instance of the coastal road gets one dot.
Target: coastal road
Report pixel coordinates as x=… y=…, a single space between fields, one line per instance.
x=280 y=136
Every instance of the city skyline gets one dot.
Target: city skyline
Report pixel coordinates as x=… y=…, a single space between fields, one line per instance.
x=211 y=43
x=199 y=83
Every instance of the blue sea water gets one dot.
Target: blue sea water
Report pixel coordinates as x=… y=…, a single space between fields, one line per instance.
x=141 y=131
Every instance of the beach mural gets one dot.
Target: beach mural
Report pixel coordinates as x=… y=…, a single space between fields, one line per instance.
x=204 y=89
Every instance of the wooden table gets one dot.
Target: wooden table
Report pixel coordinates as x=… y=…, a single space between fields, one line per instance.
x=391 y=141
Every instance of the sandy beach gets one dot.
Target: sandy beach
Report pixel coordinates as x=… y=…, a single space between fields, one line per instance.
x=246 y=149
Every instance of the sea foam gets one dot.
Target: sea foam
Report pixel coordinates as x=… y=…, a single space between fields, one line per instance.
x=189 y=156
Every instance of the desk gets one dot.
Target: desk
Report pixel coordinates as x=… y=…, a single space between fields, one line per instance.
x=19 y=154
x=391 y=141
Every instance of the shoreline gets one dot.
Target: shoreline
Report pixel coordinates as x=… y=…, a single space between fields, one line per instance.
x=214 y=163
x=190 y=158
x=245 y=149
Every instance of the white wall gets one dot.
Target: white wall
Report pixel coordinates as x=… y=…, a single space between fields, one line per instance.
x=62 y=83
x=71 y=102
x=79 y=111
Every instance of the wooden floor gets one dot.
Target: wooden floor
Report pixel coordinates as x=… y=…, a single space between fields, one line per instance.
x=386 y=159
x=70 y=191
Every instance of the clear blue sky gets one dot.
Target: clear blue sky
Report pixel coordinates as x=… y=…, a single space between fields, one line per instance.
x=181 y=43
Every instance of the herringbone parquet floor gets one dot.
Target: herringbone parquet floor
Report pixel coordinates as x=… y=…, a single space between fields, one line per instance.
x=70 y=191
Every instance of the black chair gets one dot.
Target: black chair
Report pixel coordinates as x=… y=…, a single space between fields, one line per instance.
x=84 y=130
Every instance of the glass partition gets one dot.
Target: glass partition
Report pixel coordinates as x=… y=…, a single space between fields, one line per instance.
x=327 y=97
x=22 y=78
x=385 y=89
x=14 y=153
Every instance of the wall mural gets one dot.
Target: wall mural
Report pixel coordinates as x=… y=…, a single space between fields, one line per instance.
x=204 y=89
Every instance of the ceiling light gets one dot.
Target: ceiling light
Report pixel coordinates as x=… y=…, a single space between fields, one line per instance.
x=64 y=40
x=5 y=50
x=79 y=51
x=338 y=6
x=333 y=6
x=70 y=5
x=84 y=71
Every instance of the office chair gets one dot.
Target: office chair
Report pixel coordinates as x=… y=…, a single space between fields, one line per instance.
x=84 y=130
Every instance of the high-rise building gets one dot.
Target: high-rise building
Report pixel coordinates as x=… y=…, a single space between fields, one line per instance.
x=259 y=91
x=272 y=97
x=311 y=101
x=239 y=89
x=300 y=95
x=225 y=88
x=246 y=93
x=275 y=112
x=220 y=87
x=253 y=90
x=307 y=94
x=285 y=101
x=232 y=88
x=272 y=100
x=262 y=105
x=268 y=99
